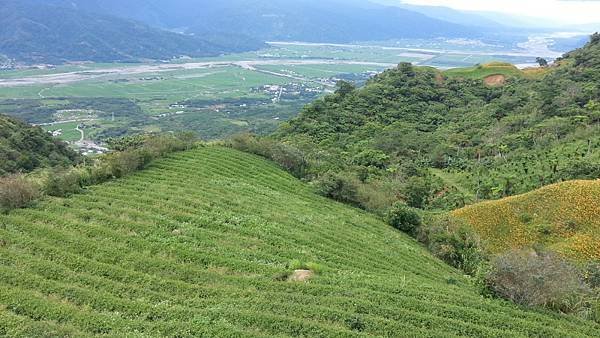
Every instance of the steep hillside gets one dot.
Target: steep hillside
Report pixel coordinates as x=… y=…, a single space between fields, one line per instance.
x=35 y=32
x=24 y=148
x=201 y=244
x=564 y=217
x=443 y=140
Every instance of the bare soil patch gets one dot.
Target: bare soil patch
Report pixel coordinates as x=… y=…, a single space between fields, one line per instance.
x=495 y=80
x=301 y=276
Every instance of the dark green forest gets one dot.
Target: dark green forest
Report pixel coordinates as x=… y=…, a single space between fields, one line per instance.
x=24 y=148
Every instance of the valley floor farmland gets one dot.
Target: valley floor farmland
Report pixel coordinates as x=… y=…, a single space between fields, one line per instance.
x=215 y=97
x=201 y=243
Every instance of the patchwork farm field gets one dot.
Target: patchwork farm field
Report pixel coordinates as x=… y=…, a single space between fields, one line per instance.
x=235 y=98
x=278 y=81
x=203 y=242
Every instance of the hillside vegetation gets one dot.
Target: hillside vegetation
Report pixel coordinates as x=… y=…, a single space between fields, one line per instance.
x=440 y=141
x=485 y=70
x=203 y=242
x=564 y=217
x=24 y=148
x=488 y=70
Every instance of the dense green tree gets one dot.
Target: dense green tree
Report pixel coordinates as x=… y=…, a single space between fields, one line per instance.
x=541 y=61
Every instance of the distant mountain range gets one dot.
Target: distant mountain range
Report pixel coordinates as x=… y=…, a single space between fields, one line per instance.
x=54 y=31
x=305 y=20
x=39 y=32
x=322 y=21
x=446 y=14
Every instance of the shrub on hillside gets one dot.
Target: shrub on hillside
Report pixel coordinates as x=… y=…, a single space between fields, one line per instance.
x=592 y=274
x=377 y=195
x=62 y=182
x=288 y=157
x=125 y=142
x=159 y=144
x=580 y=169
x=249 y=143
x=371 y=158
x=16 y=192
x=537 y=279
x=124 y=163
x=404 y=218
x=453 y=241
x=417 y=191
x=339 y=187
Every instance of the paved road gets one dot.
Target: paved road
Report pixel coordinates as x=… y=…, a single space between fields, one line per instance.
x=82 y=134
x=61 y=122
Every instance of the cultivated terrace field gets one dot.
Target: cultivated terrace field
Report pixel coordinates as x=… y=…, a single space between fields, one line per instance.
x=203 y=243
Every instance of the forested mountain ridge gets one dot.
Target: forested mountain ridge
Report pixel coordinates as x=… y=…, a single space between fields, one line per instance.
x=34 y=32
x=24 y=148
x=441 y=142
x=324 y=21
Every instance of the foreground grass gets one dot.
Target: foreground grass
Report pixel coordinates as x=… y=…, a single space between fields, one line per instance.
x=565 y=217
x=192 y=246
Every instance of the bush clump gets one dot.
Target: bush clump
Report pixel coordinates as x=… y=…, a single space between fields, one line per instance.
x=16 y=192
x=454 y=242
x=404 y=218
x=125 y=162
x=288 y=157
x=540 y=279
x=592 y=274
x=62 y=182
x=339 y=187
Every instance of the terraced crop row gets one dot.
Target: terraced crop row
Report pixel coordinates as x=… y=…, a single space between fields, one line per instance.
x=193 y=245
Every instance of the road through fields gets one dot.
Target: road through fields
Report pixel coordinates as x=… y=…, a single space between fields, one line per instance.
x=71 y=77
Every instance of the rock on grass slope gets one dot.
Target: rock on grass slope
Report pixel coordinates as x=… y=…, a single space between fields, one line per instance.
x=564 y=216
x=197 y=245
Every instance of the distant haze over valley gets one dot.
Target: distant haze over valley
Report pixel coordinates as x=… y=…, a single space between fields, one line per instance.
x=58 y=31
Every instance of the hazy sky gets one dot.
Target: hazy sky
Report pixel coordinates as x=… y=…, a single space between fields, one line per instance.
x=567 y=11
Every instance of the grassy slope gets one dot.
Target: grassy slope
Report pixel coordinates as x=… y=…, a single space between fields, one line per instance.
x=564 y=216
x=494 y=68
x=191 y=245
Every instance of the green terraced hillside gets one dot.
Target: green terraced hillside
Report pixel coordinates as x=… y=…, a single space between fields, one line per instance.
x=197 y=245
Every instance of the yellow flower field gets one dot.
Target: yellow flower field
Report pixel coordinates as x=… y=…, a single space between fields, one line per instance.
x=564 y=217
